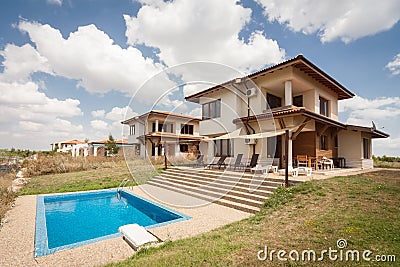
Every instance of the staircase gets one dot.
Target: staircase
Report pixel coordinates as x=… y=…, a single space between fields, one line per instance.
x=246 y=192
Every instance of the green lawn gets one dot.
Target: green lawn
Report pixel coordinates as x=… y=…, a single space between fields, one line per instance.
x=362 y=209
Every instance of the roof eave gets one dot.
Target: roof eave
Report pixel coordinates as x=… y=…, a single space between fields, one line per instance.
x=346 y=94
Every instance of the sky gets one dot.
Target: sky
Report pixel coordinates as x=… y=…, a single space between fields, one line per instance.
x=74 y=69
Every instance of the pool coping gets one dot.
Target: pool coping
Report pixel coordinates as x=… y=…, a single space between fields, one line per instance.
x=41 y=247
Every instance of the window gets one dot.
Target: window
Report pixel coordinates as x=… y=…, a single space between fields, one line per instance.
x=183 y=147
x=323 y=106
x=163 y=127
x=186 y=129
x=212 y=109
x=298 y=101
x=132 y=130
x=273 y=101
x=366 y=151
x=223 y=147
x=323 y=145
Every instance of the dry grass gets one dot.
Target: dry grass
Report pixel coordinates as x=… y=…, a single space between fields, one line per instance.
x=64 y=163
x=386 y=164
x=6 y=195
x=108 y=174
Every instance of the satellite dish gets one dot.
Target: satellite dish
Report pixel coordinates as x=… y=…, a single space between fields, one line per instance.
x=373 y=126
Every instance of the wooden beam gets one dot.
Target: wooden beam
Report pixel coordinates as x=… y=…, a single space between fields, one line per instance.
x=282 y=123
x=286 y=158
x=326 y=126
x=301 y=127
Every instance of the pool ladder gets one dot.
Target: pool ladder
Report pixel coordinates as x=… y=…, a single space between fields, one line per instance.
x=121 y=186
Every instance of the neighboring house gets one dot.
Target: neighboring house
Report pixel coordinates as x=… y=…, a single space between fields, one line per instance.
x=154 y=132
x=295 y=95
x=95 y=148
x=75 y=147
x=98 y=148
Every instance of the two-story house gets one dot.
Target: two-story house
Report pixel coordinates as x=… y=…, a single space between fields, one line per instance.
x=157 y=132
x=294 y=95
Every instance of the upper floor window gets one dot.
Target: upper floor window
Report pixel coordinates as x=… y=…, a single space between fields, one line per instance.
x=163 y=127
x=298 y=101
x=186 y=129
x=132 y=129
x=323 y=106
x=211 y=109
x=274 y=101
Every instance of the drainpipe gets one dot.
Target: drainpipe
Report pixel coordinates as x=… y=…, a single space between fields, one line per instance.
x=239 y=81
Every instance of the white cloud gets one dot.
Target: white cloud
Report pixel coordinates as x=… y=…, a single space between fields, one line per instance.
x=90 y=56
x=196 y=112
x=30 y=126
x=186 y=31
x=347 y=20
x=118 y=114
x=20 y=62
x=394 y=65
x=32 y=119
x=384 y=111
x=99 y=125
x=361 y=103
x=98 y=113
x=55 y=2
x=387 y=146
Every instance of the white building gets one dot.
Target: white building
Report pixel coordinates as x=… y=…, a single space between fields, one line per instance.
x=154 y=132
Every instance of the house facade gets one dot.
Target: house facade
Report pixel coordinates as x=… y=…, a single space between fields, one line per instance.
x=98 y=148
x=158 y=132
x=294 y=102
x=95 y=148
x=75 y=147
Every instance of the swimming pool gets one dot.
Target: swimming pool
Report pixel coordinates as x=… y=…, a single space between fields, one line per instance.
x=70 y=220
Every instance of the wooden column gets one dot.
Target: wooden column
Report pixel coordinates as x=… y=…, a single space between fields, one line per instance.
x=287 y=158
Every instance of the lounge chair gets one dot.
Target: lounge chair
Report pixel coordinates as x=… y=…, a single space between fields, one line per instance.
x=137 y=235
x=238 y=162
x=253 y=161
x=219 y=163
x=199 y=161
x=291 y=171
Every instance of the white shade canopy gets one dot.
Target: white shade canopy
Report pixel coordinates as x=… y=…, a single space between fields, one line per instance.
x=236 y=134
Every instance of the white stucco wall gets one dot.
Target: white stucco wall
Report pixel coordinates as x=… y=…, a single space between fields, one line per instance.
x=229 y=112
x=350 y=147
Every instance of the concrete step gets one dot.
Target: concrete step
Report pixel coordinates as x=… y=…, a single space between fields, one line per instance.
x=208 y=192
x=223 y=202
x=244 y=187
x=231 y=190
x=228 y=177
x=232 y=174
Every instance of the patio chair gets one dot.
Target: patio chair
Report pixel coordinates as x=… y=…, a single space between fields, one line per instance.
x=302 y=161
x=253 y=161
x=238 y=162
x=220 y=162
x=327 y=163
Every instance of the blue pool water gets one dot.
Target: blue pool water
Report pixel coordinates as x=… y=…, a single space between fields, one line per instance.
x=69 y=220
